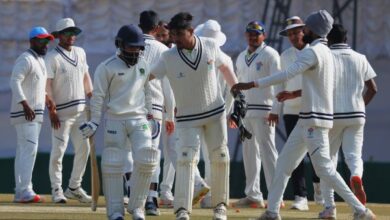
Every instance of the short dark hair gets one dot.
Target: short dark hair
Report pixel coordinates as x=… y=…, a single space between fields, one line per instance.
x=181 y=20
x=148 y=20
x=338 y=34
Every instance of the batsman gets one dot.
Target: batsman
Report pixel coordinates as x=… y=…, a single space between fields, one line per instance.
x=122 y=87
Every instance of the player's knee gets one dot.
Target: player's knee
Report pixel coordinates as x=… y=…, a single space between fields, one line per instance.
x=146 y=159
x=186 y=155
x=112 y=160
x=220 y=155
x=324 y=170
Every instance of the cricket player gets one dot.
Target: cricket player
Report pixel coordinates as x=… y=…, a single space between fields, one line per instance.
x=294 y=32
x=162 y=98
x=211 y=29
x=258 y=60
x=315 y=63
x=27 y=84
x=121 y=87
x=191 y=69
x=68 y=85
x=355 y=87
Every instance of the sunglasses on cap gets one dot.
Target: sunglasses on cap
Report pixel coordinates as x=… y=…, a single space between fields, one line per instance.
x=255 y=27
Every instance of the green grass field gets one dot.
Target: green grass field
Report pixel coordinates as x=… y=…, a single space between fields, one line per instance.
x=75 y=210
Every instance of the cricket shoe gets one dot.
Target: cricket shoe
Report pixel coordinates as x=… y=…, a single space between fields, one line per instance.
x=366 y=215
x=206 y=202
x=138 y=214
x=248 y=203
x=328 y=213
x=300 y=203
x=27 y=196
x=356 y=184
x=78 y=194
x=182 y=214
x=57 y=196
x=267 y=215
x=151 y=207
x=166 y=200
x=117 y=216
x=220 y=212
x=318 y=199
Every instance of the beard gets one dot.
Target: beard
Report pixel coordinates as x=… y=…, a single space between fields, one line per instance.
x=307 y=39
x=40 y=51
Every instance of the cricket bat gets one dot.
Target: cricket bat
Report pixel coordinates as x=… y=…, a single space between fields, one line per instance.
x=95 y=177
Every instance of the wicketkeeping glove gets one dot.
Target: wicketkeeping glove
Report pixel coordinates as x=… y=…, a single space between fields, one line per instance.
x=88 y=129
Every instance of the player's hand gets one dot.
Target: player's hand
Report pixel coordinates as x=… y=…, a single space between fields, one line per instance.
x=88 y=129
x=285 y=95
x=231 y=123
x=51 y=106
x=55 y=121
x=29 y=114
x=273 y=119
x=242 y=86
x=169 y=127
x=149 y=117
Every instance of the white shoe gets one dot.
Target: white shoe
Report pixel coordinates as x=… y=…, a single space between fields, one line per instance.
x=248 y=203
x=200 y=191
x=138 y=214
x=317 y=194
x=206 y=202
x=57 y=196
x=300 y=203
x=117 y=216
x=366 y=215
x=125 y=200
x=27 y=196
x=166 y=200
x=78 y=194
x=220 y=212
x=328 y=213
x=267 y=215
x=182 y=214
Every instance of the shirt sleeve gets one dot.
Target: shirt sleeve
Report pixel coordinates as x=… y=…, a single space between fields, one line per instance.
x=169 y=99
x=100 y=85
x=275 y=67
x=159 y=70
x=21 y=69
x=370 y=73
x=306 y=59
x=51 y=66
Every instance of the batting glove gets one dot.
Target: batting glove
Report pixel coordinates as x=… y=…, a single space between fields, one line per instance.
x=88 y=129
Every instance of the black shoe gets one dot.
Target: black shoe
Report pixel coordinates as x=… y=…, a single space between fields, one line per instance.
x=151 y=208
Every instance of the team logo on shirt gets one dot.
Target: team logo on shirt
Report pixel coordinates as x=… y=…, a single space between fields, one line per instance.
x=142 y=71
x=180 y=75
x=258 y=66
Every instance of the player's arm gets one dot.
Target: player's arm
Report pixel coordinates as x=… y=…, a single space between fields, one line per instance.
x=370 y=91
x=169 y=103
x=50 y=103
x=306 y=59
x=286 y=95
x=273 y=117
x=88 y=87
x=148 y=99
x=225 y=66
x=21 y=69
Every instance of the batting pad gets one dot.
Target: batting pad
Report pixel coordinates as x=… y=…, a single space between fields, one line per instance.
x=184 y=186
x=156 y=173
x=220 y=170
x=145 y=163
x=112 y=167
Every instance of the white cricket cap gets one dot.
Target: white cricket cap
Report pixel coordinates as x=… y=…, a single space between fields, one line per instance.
x=211 y=29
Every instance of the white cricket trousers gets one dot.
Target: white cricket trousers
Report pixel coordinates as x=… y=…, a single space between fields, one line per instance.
x=315 y=141
x=169 y=152
x=27 y=135
x=257 y=151
x=215 y=135
x=60 y=138
x=350 y=137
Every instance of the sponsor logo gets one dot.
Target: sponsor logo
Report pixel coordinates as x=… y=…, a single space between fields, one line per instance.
x=145 y=127
x=121 y=74
x=184 y=154
x=180 y=75
x=111 y=131
x=310 y=132
x=142 y=71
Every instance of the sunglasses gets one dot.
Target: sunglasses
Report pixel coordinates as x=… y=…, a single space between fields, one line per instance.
x=68 y=33
x=42 y=40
